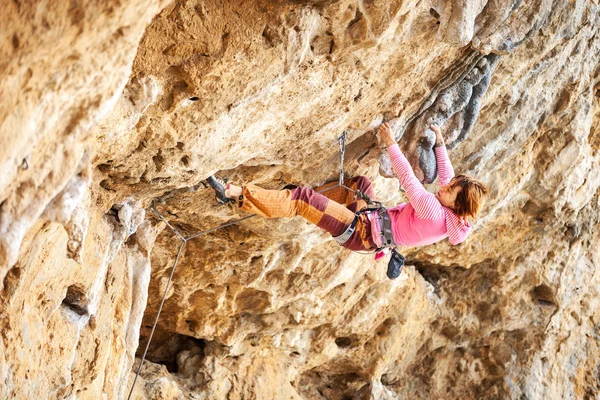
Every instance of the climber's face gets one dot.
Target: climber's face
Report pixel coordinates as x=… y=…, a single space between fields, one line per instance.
x=447 y=195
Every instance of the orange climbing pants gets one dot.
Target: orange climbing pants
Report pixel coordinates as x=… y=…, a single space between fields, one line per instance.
x=333 y=210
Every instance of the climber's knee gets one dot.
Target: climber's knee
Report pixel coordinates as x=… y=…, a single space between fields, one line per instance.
x=308 y=204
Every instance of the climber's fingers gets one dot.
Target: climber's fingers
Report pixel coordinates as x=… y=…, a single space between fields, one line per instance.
x=385 y=132
x=435 y=129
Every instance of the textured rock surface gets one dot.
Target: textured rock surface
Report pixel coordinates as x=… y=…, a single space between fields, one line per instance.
x=74 y=285
x=105 y=109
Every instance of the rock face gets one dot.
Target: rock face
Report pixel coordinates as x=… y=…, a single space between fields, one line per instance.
x=110 y=107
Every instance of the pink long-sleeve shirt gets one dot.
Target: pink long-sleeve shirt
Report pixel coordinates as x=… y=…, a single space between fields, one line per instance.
x=424 y=220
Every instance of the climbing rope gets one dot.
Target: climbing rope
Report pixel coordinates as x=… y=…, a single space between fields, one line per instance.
x=184 y=240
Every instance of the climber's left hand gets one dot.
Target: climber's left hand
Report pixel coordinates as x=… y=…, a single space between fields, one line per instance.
x=439 y=139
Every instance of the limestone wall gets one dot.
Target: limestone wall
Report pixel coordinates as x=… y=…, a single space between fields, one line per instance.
x=108 y=107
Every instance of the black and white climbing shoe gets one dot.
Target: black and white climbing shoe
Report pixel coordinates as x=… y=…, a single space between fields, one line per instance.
x=395 y=265
x=218 y=186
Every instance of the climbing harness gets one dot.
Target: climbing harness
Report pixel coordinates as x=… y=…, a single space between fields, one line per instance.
x=396 y=262
x=340 y=239
x=345 y=236
x=378 y=207
x=386 y=225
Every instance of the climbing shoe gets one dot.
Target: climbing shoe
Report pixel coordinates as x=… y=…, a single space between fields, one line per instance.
x=219 y=187
x=395 y=265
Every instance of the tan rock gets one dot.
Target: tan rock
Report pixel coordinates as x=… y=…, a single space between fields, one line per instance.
x=109 y=108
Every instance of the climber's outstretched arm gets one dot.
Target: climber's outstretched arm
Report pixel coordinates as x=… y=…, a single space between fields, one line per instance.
x=425 y=204
x=445 y=170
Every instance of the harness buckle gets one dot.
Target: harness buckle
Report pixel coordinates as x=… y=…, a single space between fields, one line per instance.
x=343 y=238
x=386 y=228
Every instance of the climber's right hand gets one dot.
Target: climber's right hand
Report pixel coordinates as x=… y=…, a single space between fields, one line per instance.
x=386 y=135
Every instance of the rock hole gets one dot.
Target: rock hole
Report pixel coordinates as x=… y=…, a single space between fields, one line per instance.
x=76 y=300
x=180 y=145
x=185 y=160
x=104 y=167
x=450 y=331
x=159 y=161
x=386 y=379
x=114 y=211
x=357 y=28
x=427 y=141
x=294 y=354
x=158 y=181
x=434 y=13
x=357 y=17
x=15 y=41
x=104 y=184
x=543 y=295
x=192 y=325
x=343 y=342
x=194 y=98
x=268 y=36
x=224 y=43
x=141 y=146
x=255 y=260
x=12 y=278
x=177 y=345
x=384 y=328
x=253 y=339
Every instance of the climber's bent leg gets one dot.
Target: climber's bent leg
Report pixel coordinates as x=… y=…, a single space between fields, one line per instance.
x=304 y=201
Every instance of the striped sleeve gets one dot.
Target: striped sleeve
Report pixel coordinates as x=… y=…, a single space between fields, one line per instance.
x=445 y=170
x=457 y=231
x=425 y=204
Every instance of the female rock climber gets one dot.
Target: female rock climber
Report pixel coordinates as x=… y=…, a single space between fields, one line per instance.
x=426 y=218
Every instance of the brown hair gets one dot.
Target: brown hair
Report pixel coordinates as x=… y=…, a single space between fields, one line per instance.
x=469 y=199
